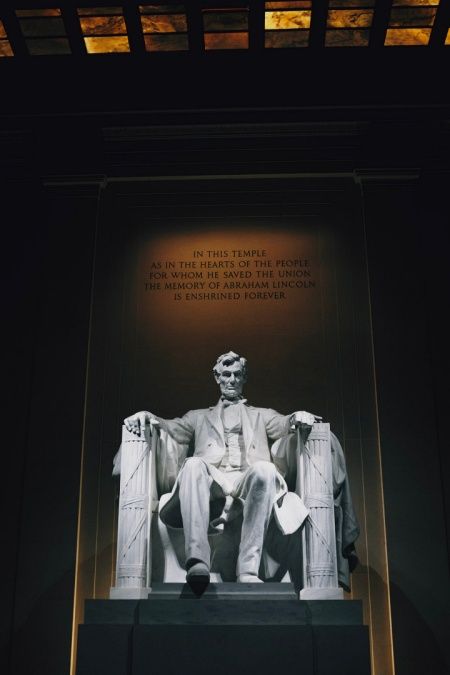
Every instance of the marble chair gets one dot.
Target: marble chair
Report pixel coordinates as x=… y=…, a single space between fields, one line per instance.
x=148 y=551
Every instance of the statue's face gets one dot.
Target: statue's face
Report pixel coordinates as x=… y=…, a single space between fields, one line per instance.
x=231 y=381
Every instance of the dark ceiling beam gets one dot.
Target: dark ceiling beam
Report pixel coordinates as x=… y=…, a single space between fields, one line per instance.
x=441 y=25
x=380 y=23
x=14 y=33
x=73 y=30
x=134 y=28
x=256 y=25
x=318 y=23
x=195 y=27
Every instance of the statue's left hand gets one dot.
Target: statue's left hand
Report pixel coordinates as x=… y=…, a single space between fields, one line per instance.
x=303 y=419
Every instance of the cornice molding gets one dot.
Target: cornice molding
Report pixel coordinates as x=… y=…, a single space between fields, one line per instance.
x=375 y=177
x=79 y=185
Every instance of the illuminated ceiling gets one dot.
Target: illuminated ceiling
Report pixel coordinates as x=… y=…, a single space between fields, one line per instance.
x=78 y=29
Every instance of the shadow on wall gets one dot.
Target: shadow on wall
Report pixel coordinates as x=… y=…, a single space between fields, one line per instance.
x=416 y=650
x=41 y=643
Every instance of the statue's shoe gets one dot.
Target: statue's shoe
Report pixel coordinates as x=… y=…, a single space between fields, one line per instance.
x=198 y=575
x=249 y=579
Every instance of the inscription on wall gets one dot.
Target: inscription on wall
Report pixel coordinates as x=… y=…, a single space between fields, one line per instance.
x=230 y=274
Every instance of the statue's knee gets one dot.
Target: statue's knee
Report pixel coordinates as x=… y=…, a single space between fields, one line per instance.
x=263 y=472
x=194 y=465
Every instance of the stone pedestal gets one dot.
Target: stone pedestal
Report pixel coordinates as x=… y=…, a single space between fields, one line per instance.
x=231 y=628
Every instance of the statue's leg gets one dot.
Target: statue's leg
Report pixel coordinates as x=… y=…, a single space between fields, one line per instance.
x=195 y=485
x=258 y=488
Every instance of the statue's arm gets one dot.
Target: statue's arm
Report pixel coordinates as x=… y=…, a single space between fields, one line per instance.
x=278 y=425
x=179 y=428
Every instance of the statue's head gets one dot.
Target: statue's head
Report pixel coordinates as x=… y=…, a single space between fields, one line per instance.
x=230 y=373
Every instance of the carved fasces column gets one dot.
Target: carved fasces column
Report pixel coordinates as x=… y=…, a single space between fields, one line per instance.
x=137 y=493
x=315 y=486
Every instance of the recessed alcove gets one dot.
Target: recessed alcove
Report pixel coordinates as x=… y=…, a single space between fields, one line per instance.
x=308 y=341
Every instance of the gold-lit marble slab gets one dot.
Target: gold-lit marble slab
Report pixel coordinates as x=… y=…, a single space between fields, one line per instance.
x=5 y=47
x=103 y=25
x=104 y=30
x=49 y=46
x=286 y=20
x=412 y=16
x=300 y=4
x=407 y=37
x=346 y=4
x=24 y=13
x=166 y=42
x=416 y=3
x=223 y=22
x=349 y=18
x=286 y=39
x=347 y=38
x=161 y=9
x=226 y=40
x=42 y=27
x=44 y=32
x=164 y=23
x=99 y=11
x=107 y=45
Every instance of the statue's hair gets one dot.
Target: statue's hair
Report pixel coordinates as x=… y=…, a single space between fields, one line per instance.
x=227 y=360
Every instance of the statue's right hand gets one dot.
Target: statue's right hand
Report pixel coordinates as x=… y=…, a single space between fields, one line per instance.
x=136 y=423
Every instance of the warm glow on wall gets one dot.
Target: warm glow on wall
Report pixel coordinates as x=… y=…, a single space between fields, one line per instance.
x=171 y=295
